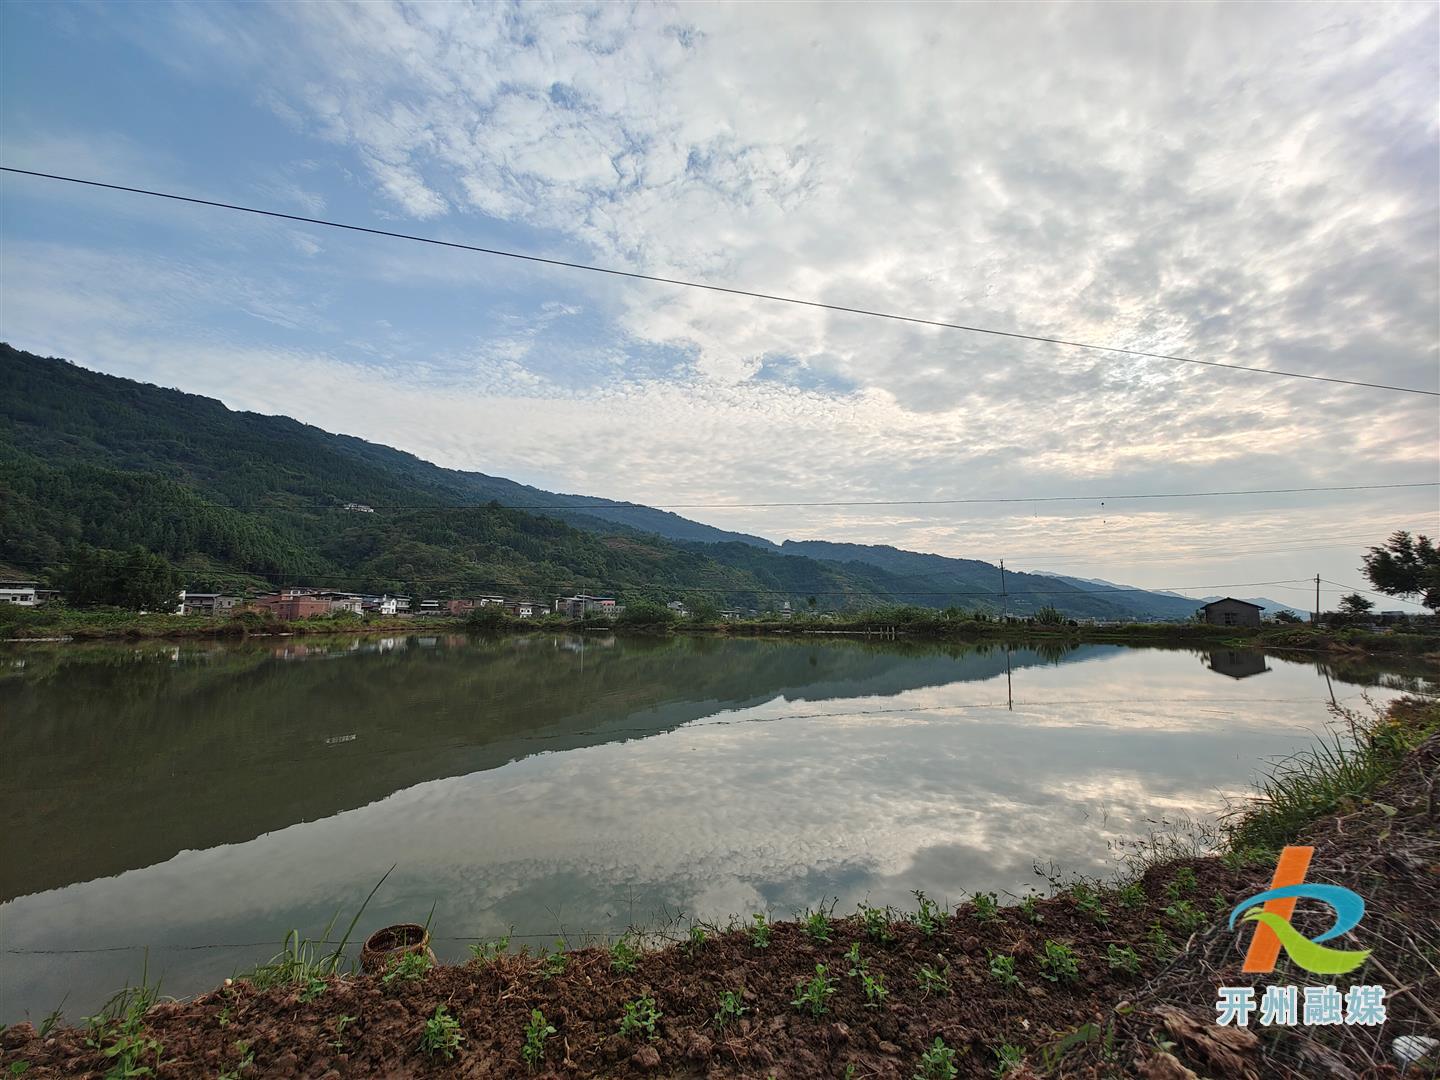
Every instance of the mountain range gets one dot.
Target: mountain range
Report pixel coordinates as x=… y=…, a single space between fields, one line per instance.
x=244 y=500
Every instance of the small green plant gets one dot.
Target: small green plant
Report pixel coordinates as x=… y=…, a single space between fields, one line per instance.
x=817 y=925
x=937 y=1062
x=815 y=993
x=640 y=1016
x=1219 y=904
x=1029 y=911
x=247 y=1058
x=1161 y=947
x=1239 y=858
x=623 y=956
x=1131 y=896
x=1183 y=882
x=442 y=1035
x=1008 y=1058
x=1057 y=962
x=489 y=951
x=1087 y=900
x=341 y=1023
x=19 y=1068
x=223 y=1019
x=313 y=989
x=555 y=963
x=696 y=938
x=1002 y=970
x=52 y=1018
x=406 y=968
x=929 y=916
x=732 y=1007
x=1186 y=916
x=987 y=906
x=875 y=922
x=1123 y=959
x=874 y=987
x=760 y=931
x=117 y=1031
x=536 y=1032
x=857 y=963
x=933 y=980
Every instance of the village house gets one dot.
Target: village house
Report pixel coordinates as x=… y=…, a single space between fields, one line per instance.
x=465 y=607
x=198 y=603
x=676 y=608
x=580 y=605
x=523 y=609
x=1231 y=612
x=359 y=508
x=292 y=604
x=26 y=593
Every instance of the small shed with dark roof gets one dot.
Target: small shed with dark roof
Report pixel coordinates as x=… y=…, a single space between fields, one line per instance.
x=1228 y=611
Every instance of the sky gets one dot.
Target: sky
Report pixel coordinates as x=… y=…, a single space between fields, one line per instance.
x=1255 y=185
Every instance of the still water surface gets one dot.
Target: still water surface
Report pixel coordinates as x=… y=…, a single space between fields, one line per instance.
x=202 y=799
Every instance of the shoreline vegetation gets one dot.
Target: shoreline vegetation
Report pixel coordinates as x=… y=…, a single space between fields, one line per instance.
x=80 y=624
x=1098 y=978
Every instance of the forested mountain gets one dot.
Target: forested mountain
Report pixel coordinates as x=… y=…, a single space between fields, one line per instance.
x=238 y=499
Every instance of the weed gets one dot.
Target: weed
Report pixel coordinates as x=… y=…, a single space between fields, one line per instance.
x=1125 y=960
x=933 y=981
x=18 y=1068
x=117 y=1030
x=875 y=922
x=1239 y=858
x=929 y=916
x=815 y=993
x=987 y=906
x=696 y=938
x=1002 y=970
x=442 y=1034
x=536 y=1032
x=1057 y=962
x=1087 y=900
x=731 y=1008
x=1161 y=947
x=874 y=987
x=1131 y=896
x=315 y=987
x=1052 y=1055
x=1029 y=911
x=1339 y=771
x=246 y=1056
x=407 y=968
x=760 y=932
x=1183 y=882
x=937 y=1063
x=489 y=951
x=623 y=956
x=47 y=1025
x=299 y=961
x=341 y=1023
x=640 y=1015
x=1186 y=916
x=1008 y=1058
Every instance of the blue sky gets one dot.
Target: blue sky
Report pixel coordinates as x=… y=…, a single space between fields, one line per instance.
x=1252 y=185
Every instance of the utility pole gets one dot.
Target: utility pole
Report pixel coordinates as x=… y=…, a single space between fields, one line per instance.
x=1316 y=619
x=1004 y=597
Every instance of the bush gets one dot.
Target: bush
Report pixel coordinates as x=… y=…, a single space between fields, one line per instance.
x=489 y=617
x=645 y=613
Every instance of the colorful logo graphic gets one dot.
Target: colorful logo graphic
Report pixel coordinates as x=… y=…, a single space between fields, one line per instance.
x=1274 y=932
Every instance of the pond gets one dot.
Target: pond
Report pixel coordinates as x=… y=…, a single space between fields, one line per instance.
x=187 y=805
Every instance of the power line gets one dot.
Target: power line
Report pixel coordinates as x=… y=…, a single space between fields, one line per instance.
x=582 y=508
x=752 y=294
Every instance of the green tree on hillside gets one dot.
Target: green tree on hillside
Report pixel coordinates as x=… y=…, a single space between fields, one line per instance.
x=133 y=579
x=1406 y=566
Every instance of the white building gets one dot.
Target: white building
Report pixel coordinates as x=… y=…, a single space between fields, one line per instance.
x=22 y=593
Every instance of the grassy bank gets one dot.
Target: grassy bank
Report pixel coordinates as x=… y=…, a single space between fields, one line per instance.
x=59 y=622
x=1099 y=979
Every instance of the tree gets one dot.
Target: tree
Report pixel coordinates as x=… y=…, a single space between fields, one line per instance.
x=1049 y=615
x=1283 y=616
x=1355 y=606
x=1407 y=567
x=133 y=579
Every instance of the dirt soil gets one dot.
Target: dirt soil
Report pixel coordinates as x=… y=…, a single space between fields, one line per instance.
x=1158 y=1023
